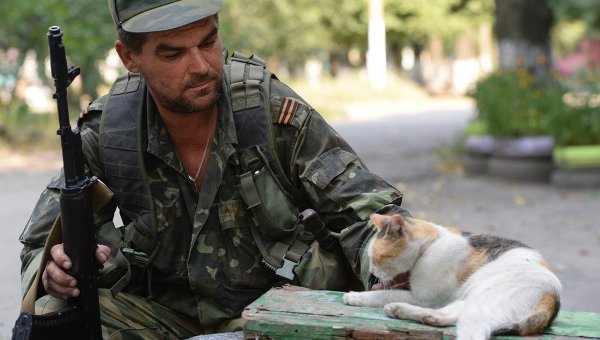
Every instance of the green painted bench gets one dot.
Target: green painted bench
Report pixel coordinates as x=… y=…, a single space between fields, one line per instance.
x=296 y=313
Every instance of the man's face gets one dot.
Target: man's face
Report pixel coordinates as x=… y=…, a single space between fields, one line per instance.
x=182 y=67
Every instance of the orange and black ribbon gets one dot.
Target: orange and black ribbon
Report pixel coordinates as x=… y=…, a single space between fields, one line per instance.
x=287 y=111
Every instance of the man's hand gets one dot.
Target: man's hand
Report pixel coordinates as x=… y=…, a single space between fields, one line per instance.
x=56 y=281
x=400 y=281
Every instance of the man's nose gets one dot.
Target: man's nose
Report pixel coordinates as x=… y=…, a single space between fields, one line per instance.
x=198 y=62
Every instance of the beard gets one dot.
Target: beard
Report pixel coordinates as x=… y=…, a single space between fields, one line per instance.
x=187 y=99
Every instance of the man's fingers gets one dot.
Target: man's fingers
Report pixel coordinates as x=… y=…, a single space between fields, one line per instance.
x=58 y=283
x=57 y=275
x=102 y=253
x=59 y=291
x=59 y=256
x=55 y=279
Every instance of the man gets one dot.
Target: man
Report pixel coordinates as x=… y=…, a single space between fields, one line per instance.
x=203 y=204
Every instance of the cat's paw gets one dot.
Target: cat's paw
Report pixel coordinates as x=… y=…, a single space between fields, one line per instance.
x=399 y=310
x=427 y=316
x=394 y=310
x=354 y=299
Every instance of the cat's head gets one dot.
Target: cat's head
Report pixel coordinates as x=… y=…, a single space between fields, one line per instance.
x=397 y=243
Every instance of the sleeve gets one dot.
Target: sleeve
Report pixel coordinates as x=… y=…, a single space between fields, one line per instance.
x=343 y=189
x=335 y=181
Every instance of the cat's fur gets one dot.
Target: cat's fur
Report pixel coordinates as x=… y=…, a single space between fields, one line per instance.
x=482 y=284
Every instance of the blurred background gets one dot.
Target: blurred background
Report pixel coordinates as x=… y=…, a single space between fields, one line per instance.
x=484 y=113
x=340 y=51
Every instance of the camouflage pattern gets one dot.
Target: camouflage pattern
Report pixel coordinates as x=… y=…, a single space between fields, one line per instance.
x=150 y=320
x=160 y=15
x=208 y=267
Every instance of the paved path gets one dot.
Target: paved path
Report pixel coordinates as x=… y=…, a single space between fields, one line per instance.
x=20 y=190
x=403 y=142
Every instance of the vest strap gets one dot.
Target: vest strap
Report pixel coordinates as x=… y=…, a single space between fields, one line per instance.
x=246 y=79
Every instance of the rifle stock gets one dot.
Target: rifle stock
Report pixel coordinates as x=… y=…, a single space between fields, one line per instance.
x=81 y=318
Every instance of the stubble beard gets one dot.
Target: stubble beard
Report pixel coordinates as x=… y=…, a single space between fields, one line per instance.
x=187 y=104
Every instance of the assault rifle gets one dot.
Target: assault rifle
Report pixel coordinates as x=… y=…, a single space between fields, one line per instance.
x=81 y=318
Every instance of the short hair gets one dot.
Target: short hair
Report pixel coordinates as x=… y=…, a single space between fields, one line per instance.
x=134 y=41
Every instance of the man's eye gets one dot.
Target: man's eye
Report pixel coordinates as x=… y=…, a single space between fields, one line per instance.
x=171 y=56
x=208 y=43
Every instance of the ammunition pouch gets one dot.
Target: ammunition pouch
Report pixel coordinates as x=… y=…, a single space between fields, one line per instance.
x=276 y=231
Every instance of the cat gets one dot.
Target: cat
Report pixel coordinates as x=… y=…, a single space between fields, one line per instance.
x=485 y=285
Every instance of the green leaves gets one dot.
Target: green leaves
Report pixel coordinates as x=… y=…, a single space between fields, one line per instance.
x=88 y=28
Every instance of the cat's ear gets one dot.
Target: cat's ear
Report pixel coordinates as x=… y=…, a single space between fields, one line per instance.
x=398 y=222
x=392 y=225
x=379 y=220
x=396 y=227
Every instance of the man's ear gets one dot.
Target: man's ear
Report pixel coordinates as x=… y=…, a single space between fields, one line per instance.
x=127 y=57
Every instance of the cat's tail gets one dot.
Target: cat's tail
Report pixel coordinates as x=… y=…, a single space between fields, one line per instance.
x=542 y=316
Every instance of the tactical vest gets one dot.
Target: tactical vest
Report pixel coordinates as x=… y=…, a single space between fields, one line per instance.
x=263 y=182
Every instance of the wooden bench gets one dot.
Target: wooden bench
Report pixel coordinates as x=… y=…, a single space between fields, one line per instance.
x=296 y=313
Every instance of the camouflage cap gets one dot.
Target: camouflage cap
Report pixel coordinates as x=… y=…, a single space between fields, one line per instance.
x=159 y=15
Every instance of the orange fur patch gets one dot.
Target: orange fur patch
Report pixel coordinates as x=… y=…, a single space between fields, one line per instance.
x=545 y=264
x=544 y=312
x=393 y=244
x=378 y=220
x=383 y=251
x=476 y=259
x=454 y=230
x=423 y=230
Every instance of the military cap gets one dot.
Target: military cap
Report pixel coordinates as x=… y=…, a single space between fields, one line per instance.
x=159 y=15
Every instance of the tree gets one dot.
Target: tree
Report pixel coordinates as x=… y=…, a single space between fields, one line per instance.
x=88 y=28
x=586 y=10
x=293 y=30
x=575 y=20
x=415 y=23
x=523 y=33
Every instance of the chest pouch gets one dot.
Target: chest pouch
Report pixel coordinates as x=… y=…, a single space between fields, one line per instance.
x=271 y=207
x=276 y=231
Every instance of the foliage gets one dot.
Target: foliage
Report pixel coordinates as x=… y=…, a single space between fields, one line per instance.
x=575 y=19
x=21 y=128
x=416 y=21
x=579 y=123
x=89 y=32
x=587 y=11
x=275 y=30
x=296 y=29
x=476 y=127
x=289 y=31
x=515 y=104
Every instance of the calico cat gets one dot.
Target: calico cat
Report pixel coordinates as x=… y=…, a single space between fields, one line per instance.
x=482 y=284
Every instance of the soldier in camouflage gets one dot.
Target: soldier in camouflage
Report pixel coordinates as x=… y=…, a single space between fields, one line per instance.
x=205 y=265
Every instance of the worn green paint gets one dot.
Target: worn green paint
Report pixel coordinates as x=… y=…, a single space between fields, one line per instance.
x=289 y=313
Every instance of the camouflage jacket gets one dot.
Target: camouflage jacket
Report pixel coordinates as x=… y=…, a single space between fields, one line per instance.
x=208 y=266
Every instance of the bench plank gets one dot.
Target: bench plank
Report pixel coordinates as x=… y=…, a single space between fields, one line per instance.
x=296 y=313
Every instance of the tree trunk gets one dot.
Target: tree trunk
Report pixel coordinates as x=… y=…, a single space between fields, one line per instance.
x=376 y=55
x=523 y=33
